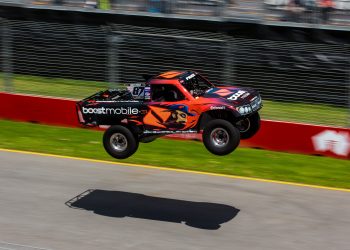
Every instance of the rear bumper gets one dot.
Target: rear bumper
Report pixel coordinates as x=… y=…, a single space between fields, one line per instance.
x=79 y=113
x=81 y=119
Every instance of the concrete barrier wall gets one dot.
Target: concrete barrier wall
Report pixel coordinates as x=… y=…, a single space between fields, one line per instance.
x=273 y=135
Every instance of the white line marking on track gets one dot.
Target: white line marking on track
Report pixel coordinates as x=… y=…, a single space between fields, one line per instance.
x=6 y=248
x=124 y=164
x=8 y=244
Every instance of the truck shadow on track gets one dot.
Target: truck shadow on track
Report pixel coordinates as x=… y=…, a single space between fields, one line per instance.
x=123 y=204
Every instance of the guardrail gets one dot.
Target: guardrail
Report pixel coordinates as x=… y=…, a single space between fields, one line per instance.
x=299 y=81
x=273 y=135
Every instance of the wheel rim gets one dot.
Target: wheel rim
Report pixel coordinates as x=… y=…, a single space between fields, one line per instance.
x=119 y=142
x=243 y=125
x=219 y=137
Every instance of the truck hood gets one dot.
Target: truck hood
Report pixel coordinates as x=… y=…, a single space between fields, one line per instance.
x=232 y=95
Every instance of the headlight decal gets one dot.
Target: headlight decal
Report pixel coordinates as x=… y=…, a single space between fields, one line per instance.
x=249 y=108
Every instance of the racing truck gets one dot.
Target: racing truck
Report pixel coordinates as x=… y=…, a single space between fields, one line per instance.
x=174 y=102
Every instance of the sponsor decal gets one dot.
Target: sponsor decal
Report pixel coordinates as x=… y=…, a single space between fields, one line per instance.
x=217 y=107
x=223 y=92
x=111 y=111
x=330 y=140
x=245 y=95
x=114 y=101
x=147 y=93
x=170 y=132
x=237 y=95
x=140 y=91
x=190 y=76
x=256 y=103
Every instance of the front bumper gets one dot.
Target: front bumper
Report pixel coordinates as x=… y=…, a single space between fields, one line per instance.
x=254 y=105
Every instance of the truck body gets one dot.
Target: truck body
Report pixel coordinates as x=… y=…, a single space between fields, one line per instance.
x=172 y=102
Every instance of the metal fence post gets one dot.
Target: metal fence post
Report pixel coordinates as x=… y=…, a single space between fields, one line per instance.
x=6 y=55
x=229 y=61
x=113 y=60
x=348 y=87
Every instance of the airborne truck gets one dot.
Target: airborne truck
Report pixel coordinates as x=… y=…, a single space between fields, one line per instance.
x=173 y=103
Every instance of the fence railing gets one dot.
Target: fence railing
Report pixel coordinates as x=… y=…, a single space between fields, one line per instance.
x=299 y=81
x=295 y=11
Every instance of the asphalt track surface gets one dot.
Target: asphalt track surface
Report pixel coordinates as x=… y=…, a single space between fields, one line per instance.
x=55 y=203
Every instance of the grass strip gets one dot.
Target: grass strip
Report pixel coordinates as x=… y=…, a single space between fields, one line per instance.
x=189 y=155
x=273 y=110
x=58 y=87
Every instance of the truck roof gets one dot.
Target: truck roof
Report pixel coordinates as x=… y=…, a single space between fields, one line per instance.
x=173 y=75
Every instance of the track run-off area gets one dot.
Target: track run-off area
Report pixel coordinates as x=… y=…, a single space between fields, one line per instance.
x=64 y=203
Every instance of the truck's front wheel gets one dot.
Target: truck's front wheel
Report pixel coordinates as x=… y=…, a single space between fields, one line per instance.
x=220 y=137
x=249 y=126
x=120 y=142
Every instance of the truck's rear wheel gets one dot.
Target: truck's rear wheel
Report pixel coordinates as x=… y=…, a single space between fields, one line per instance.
x=249 y=126
x=120 y=142
x=220 y=137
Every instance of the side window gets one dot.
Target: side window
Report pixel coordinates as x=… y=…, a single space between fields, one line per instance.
x=196 y=83
x=166 y=93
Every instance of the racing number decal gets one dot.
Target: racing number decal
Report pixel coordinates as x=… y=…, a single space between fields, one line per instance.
x=138 y=91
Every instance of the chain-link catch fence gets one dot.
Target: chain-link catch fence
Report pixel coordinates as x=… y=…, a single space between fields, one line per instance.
x=299 y=82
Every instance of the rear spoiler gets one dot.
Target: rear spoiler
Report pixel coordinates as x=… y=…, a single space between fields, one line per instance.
x=92 y=96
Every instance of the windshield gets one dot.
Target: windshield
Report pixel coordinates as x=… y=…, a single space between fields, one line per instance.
x=196 y=84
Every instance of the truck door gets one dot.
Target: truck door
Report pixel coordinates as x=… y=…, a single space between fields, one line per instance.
x=168 y=109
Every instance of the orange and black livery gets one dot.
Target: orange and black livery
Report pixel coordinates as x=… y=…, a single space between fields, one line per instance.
x=169 y=103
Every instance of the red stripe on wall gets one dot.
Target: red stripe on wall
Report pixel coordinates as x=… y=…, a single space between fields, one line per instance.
x=273 y=135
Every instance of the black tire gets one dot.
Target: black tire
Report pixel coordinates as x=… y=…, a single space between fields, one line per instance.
x=249 y=126
x=220 y=137
x=120 y=142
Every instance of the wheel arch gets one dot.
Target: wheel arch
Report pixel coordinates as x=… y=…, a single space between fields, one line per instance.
x=210 y=115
